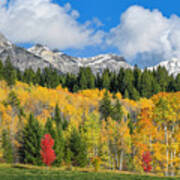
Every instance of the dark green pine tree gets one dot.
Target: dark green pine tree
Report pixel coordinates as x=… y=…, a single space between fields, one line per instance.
x=49 y=129
x=82 y=79
x=75 y=88
x=146 y=84
x=105 y=107
x=171 y=84
x=7 y=147
x=120 y=78
x=68 y=156
x=127 y=81
x=38 y=78
x=29 y=76
x=59 y=147
x=155 y=86
x=90 y=78
x=19 y=75
x=58 y=117
x=98 y=81
x=1 y=70
x=114 y=83
x=58 y=138
x=177 y=83
x=70 y=82
x=162 y=78
x=54 y=78
x=30 y=142
x=134 y=94
x=9 y=73
x=126 y=94
x=130 y=124
x=106 y=81
x=117 y=112
x=78 y=148
x=137 y=77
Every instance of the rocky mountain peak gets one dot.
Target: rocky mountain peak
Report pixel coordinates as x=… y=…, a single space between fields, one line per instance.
x=4 y=42
x=172 y=66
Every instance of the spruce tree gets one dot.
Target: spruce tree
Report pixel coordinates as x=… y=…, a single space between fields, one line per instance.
x=58 y=137
x=106 y=80
x=126 y=94
x=37 y=79
x=1 y=70
x=117 y=112
x=146 y=84
x=114 y=83
x=82 y=81
x=134 y=94
x=7 y=147
x=49 y=129
x=29 y=76
x=78 y=148
x=177 y=83
x=98 y=81
x=31 y=140
x=137 y=77
x=105 y=107
x=9 y=73
x=57 y=117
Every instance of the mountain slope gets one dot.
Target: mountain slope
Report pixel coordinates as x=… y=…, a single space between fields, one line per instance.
x=71 y=64
x=172 y=66
x=40 y=57
x=20 y=57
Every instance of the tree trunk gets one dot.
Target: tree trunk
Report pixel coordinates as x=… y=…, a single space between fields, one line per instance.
x=116 y=159
x=167 y=151
x=121 y=160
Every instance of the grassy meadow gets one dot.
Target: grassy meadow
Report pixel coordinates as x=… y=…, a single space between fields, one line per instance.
x=19 y=172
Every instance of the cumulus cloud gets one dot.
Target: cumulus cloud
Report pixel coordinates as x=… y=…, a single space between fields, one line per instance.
x=3 y=2
x=41 y=21
x=145 y=33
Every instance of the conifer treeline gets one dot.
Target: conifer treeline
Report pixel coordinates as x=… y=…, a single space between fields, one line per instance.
x=132 y=84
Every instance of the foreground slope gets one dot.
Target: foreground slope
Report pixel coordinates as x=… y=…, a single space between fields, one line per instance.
x=9 y=173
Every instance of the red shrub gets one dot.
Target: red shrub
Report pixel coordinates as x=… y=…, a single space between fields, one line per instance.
x=146 y=161
x=47 y=153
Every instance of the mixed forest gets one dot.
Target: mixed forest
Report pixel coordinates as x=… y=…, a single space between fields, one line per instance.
x=128 y=121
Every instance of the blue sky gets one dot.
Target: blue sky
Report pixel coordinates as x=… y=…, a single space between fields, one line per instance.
x=109 y=12
x=145 y=32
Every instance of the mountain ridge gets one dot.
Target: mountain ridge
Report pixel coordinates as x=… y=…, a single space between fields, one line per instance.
x=40 y=56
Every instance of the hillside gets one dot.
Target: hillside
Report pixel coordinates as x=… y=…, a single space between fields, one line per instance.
x=112 y=132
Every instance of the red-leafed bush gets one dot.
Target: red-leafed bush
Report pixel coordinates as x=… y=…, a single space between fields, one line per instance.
x=146 y=161
x=47 y=153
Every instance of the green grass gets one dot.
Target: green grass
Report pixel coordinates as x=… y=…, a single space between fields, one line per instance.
x=10 y=173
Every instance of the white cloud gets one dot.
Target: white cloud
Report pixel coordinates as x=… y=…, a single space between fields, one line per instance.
x=41 y=21
x=143 y=32
x=97 y=22
x=3 y=2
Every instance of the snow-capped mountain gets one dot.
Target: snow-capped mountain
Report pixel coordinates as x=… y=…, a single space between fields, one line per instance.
x=172 y=66
x=20 y=57
x=71 y=64
x=40 y=56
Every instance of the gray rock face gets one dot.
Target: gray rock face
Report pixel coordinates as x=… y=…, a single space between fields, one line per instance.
x=20 y=57
x=40 y=57
x=66 y=63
